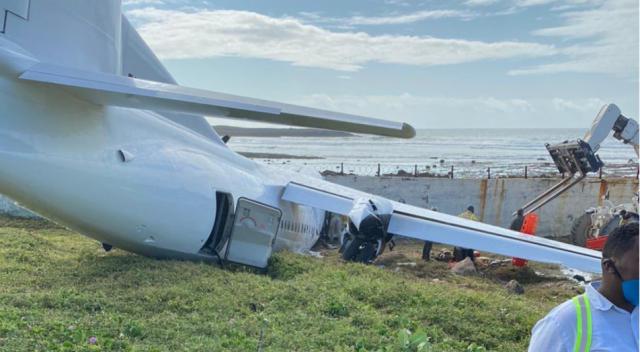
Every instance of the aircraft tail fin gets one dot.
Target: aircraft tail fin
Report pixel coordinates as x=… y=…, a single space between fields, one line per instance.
x=140 y=61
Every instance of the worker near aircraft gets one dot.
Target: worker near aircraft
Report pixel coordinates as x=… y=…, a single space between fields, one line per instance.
x=516 y=224
x=605 y=317
x=426 y=249
x=460 y=253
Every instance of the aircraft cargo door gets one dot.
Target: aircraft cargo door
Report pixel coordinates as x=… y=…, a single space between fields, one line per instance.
x=253 y=233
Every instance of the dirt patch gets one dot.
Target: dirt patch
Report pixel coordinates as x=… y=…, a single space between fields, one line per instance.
x=524 y=275
x=400 y=261
x=407 y=258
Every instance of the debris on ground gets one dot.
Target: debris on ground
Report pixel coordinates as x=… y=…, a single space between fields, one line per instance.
x=549 y=282
x=482 y=262
x=444 y=255
x=579 y=278
x=495 y=263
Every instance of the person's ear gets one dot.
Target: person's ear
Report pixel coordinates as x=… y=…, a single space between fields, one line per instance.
x=608 y=266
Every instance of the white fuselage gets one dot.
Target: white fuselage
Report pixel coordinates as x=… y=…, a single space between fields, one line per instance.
x=130 y=178
x=63 y=158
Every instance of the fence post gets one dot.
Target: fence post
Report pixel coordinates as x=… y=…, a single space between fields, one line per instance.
x=452 y=172
x=488 y=173
x=600 y=175
x=378 y=170
x=341 y=168
x=525 y=171
x=415 y=170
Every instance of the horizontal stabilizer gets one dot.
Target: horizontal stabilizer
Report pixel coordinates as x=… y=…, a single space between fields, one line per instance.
x=422 y=224
x=109 y=89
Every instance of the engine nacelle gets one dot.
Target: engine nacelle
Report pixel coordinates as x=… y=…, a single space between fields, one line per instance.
x=368 y=225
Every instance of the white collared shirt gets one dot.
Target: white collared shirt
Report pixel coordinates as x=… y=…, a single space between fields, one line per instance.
x=614 y=329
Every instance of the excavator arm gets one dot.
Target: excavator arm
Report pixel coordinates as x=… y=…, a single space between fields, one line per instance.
x=578 y=157
x=610 y=119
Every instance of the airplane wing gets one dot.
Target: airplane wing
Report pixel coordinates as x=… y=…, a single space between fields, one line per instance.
x=422 y=224
x=109 y=89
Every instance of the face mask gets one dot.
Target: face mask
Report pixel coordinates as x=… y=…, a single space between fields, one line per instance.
x=629 y=289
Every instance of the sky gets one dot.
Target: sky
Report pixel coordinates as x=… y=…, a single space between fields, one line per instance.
x=430 y=63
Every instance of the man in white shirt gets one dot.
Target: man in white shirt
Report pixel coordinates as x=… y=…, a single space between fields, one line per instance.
x=605 y=318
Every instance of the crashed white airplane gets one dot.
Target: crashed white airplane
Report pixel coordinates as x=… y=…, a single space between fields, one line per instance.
x=96 y=135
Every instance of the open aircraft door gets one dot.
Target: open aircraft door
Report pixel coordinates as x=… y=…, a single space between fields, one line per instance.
x=253 y=234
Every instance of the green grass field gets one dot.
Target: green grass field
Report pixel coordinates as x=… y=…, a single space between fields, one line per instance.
x=60 y=291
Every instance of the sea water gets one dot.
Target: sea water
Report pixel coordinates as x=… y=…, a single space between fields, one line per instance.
x=505 y=152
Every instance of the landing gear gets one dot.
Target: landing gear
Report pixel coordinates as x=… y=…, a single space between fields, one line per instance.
x=362 y=251
x=367 y=231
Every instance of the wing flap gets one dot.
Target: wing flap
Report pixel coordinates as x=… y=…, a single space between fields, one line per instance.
x=109 y=89
x=423 y=224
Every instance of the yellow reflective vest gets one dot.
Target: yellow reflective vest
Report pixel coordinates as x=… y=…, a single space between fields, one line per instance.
x=583 y=323
x=468 y=215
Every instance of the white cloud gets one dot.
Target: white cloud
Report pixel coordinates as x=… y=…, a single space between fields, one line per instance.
x=481 y=2
x=587 y=105
x=398 y=3
x=202 y=34
x=464 y=112
x=605 y=40
x=141 y=2
x=407 y=101
x=527 y=3
x=407 y=18
x=562 y=3
x=428 y=111
x=393 y=19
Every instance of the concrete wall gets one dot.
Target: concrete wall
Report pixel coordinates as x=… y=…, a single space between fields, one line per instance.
x=495 y=199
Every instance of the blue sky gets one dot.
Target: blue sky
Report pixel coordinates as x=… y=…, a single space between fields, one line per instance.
x=434 y=64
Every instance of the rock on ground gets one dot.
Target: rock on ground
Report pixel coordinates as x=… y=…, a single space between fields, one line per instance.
x=514 y=287
x=464 y=267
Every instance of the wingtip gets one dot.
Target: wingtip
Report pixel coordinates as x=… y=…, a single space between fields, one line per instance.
x=408 y=131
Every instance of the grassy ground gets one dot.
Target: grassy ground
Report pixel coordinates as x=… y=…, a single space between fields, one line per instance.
x=60 y=292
